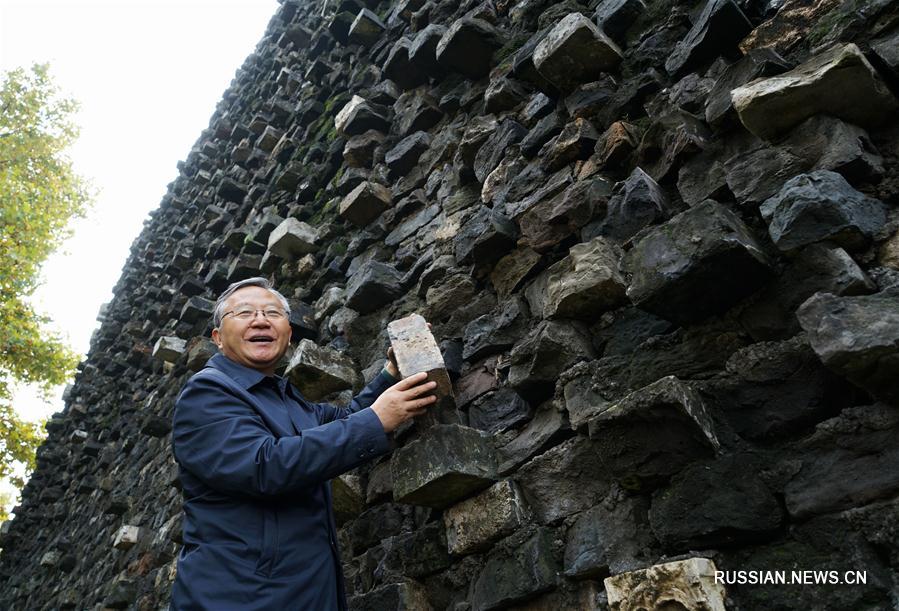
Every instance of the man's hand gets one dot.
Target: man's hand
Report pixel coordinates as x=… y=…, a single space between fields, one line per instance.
x=403 y=401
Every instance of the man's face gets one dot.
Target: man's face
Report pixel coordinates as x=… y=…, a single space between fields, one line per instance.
x=258 y=343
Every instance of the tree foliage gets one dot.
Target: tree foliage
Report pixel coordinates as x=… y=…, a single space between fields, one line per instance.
x=39 y=194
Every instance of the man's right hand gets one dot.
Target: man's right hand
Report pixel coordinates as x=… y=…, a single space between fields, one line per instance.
x=404 y=400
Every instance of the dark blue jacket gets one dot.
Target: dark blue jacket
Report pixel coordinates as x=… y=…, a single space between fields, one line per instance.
x=255 y=463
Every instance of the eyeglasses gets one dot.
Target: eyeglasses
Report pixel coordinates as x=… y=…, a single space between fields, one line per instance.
x=250 y=314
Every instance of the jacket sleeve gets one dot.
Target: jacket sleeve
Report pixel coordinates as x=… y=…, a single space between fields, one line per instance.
x=219 y=438
x=367 y=396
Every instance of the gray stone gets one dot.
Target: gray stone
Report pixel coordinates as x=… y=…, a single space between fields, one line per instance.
x=558 y=217
x=547 y=428
x=548 y=350
x=857 y=337
x=706 y=250
x=716 y=31
x=849 y=461
x=404 y=156
x=411 y=226
x=169 y=349
x=652 y=433
x=517 y=572
x=583 y=285
x=348 y=500
x=499 y=411
x=423 y=50
x=822 y=206
x=615 y=17
x=484 y=238
x=507 y=134
x=839 y=82
x=683 y=584
x=407 y=595
x=374 y=285
x=609 y=538
x=635 y=204
x=365 y=203
x=292 y=239
x=512 y=270
x=757 y=63
x=696 y=511
x=547 y=128
x=467 y=47
x=359 y=150
x=575 y=51
x=446 y=464
x=358 y=116
x=415 y=110
x=196 y=309
x=366 y=28
x=475 y=523
x=417 y=554
x=318 y=371
x=503 y=93
x=576 y=141
x=564 y=480
x=495 y=332
x=450 y=294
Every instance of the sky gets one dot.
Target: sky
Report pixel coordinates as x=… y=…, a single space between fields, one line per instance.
x=148 y=76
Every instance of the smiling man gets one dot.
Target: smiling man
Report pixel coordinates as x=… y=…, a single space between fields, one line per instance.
x=255 y=462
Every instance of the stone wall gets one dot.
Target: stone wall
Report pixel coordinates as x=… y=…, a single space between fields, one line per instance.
x=657 y=242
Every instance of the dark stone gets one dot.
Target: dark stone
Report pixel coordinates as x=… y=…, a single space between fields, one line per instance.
x=467 y=47
x=635 y=204
x=717 y=31
x=401 y=69
x=517 y=571
x=822 y=206
x=615 y=17
x=416 y=554
x=499 y=411
x=374 y=285
x=423 y=50
x=339 y=26
x=484 y=238
x=495 y=332
x=379 y=522
x=508 y=133
x=404 y=156
x=697 y=511
x=652 y=433
x=446 y=464
x=706 y=251
x=196 y=309
x=539 y=106
x=359 y=116
x=546 y=128
x=503 y=93
x=366 y=28
x=566 y=479
x=231 y=191
x=851 y=460
x=719 y=108
x=576 y=141
x=610 y=538
x=548 y=350
x=407 y=595
x=575 y=51
x=857 y=337
x=416 y=111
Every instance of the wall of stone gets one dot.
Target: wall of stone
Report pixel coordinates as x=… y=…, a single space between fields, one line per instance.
x=657 y=242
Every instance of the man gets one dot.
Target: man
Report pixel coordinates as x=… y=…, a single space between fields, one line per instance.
x=256 y=459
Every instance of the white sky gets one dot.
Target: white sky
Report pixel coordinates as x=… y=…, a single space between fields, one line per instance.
x=148 y=76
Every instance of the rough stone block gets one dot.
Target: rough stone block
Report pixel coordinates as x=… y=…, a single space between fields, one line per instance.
x=609 y=538
x=126 y=537
x=485 y=237
x=614 y=17
x=400 y=69
x=467 y=47
x=292 y=239
x=705 y=251
x=653 y=433
x=448 y=463
x=318 y=371
x=359 y=150
x=822 y=206
x=583 y=285
x=499 y=411
x=495 y=332
x=365 y=203
x=404 y=156
x=857 y=337
x=359 y=116
x=474 y=524
x=636 y=203
x=366 y=28
x=575 y=51
x=519 y=570
x=407 y=595
x=576 y=141
x=416 y=350
x=839 y=82
x=757 y=63
x=347 y=497
x=169 y=349
x=717 y=31
x=200 y=350
x=197 y=308
x=685 y=584
x=552 y=347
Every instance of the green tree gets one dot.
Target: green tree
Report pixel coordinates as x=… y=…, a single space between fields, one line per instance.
x=39 y=194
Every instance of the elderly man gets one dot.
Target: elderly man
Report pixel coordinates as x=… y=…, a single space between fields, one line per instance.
x=256 y=459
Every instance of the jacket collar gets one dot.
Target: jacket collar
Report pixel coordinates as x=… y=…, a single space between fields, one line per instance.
x=245 y=376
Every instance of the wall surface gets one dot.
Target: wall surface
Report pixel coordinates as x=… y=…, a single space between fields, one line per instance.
x=657 y=242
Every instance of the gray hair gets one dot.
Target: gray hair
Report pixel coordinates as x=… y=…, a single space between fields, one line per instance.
x=219 y=310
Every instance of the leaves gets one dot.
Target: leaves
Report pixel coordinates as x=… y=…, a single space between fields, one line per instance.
x=39 y=195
